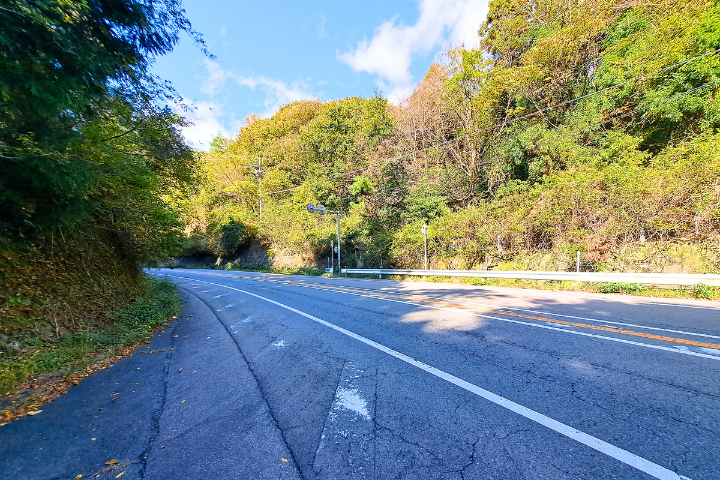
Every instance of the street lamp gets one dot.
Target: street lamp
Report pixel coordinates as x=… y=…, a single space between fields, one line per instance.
x=322 y=211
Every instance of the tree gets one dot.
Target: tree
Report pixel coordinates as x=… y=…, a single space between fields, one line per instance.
x=67 y=68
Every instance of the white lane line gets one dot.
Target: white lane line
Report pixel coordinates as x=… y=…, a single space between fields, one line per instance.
x=601 y=446
x=500 y=308
x=564 y=329
x=588 y=319
x=628 y=300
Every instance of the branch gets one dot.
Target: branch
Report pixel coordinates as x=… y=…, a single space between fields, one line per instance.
x=118 y=136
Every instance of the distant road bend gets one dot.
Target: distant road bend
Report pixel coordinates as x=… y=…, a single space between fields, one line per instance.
x=384 y=379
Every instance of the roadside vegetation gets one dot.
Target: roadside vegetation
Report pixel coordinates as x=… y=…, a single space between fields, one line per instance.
x=87 y=148
x=37 y=366
x=581 y=126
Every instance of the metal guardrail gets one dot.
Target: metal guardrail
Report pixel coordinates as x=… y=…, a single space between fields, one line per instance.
x=642 y=278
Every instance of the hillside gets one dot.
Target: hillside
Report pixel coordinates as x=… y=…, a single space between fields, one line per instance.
x=591 y=127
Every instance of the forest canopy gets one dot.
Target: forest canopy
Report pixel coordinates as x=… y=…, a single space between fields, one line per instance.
x=581 y=126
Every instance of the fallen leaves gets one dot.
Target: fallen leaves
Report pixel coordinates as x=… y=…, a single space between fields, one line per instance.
x=120 y=474
x=34 y=412
x=51 y=386
x=111 y=462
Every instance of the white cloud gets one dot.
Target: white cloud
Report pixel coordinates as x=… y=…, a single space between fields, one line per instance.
x=208 y=117
x=388 y=55
x=277 y=92
x=206 y=124
x=320 y=27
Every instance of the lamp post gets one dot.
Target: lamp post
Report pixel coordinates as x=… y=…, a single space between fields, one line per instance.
x=322 y=211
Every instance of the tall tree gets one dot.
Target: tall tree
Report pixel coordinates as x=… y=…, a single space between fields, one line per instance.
x=67 y=66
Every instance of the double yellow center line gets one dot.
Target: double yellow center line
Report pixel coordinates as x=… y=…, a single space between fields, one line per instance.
x=624 y=331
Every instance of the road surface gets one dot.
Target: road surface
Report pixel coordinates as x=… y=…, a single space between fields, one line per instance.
x=274 y=376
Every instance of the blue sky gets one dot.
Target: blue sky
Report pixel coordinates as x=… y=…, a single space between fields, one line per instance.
x=271 y=53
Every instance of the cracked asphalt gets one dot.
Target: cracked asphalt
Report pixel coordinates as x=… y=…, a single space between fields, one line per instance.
x=283 y=377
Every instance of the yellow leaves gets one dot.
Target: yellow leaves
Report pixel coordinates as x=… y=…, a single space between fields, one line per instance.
x=111 y=462
x=120 y=474
x=34 y=412
x=284 y=460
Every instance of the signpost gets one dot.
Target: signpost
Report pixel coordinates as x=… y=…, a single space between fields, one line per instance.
x=322 y=211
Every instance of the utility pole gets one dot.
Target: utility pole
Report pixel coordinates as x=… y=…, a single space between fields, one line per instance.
x=258 y=174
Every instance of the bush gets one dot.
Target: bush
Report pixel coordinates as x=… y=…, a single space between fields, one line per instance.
x=628 y=288
x=705 y=292
x=226 y=238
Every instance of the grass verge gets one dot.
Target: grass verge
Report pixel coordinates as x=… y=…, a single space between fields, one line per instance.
x=263 y=268
x=34 y=370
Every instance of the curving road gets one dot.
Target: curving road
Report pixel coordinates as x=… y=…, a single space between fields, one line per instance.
x=272 y=376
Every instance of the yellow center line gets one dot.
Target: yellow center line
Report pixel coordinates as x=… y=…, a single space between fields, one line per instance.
x=663 y=338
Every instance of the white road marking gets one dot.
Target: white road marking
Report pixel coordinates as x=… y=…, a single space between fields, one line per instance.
x=601 y=446
x=609 y=298
x=711 y=351
x=564 y=329
x=279 y=344
x=221 y=295
x=607 y=323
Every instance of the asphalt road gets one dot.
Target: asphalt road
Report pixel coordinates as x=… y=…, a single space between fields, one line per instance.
x=274 y=377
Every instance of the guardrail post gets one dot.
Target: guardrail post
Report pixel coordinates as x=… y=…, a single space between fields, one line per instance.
x=577 y=263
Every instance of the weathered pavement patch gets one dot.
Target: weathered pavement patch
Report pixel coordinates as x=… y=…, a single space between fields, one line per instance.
x=347 y=444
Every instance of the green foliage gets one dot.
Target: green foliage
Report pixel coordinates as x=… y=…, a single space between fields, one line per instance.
x=581 y=126
x=228 y=237
x=73 y=352
x=83 y=145
x=218 y=145
x=361 y=186
x=628 y=288
x=424 y=204
x=705 y=292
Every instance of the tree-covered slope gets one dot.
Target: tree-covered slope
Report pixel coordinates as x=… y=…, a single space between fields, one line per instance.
x=577 y=126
